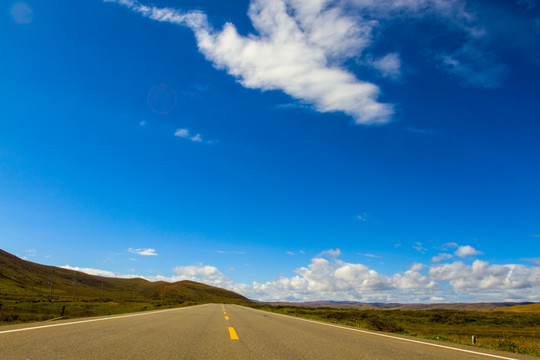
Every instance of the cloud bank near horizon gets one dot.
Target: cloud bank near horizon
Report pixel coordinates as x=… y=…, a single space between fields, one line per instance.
x=300 y=47
x=327 y=277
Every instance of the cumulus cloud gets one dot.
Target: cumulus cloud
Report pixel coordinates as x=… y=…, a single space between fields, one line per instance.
x=483 y=276
x=144 y=252
x=204 y=273
x=467 y=250
x=333 y=279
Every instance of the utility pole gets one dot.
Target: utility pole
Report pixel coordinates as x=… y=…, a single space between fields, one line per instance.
x=52 y=280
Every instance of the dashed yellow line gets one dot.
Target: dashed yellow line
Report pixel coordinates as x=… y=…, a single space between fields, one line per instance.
x=226 y=318
x=233 y=334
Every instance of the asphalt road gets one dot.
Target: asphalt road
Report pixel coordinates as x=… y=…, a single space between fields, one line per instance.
x=216 y=331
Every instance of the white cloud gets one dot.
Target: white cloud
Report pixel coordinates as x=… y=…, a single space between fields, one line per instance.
x=184 y=133
x=204 y=273
x=467 y=250
x=296 y=54
x=361 y=217
x=144 y=252
x=481 y=276
x=450 y=245
x=291 y=253
x=196 y=138
x=441 y=257
x=300 y=46
x=332 y=253
x=90 y=271
x=416 y=267
x=228 y=252
x=418 y=247
x=388 y=66
x=369 y=255
x=30 y=252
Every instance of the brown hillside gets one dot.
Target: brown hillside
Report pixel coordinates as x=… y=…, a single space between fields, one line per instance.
x=21 y=279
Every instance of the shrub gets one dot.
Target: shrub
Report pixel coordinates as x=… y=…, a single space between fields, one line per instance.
x=381 y=323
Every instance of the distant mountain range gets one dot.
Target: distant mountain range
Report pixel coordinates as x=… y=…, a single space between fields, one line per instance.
x=399 y=306
x=21 y=279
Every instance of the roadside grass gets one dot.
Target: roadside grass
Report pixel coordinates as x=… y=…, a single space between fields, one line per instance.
x=506 y=331
x=16 y=311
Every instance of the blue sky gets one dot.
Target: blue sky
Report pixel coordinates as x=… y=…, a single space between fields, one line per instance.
x=286 y=149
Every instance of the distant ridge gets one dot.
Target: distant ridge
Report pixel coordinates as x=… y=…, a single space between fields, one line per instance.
x=28 y=280
x=398 y=306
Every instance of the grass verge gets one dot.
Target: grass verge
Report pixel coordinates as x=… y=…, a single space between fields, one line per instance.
x=15 y=311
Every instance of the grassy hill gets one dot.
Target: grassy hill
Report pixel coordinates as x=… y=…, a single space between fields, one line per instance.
x=26 y=293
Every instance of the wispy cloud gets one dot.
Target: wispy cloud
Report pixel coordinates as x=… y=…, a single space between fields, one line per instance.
x=362 y=217
x=143 y=252
x=418 y=247
x=229 y=252
x=30 y=252
x=369 y=255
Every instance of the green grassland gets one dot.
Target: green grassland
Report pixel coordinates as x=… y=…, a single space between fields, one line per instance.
x=517 y=332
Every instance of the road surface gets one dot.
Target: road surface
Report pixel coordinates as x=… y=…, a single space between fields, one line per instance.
x=216 y=331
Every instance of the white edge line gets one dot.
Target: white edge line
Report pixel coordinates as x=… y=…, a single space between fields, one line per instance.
x=100 y=319
x=390 y=336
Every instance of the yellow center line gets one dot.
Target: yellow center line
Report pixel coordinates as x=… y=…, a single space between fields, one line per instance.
x=233 y=334
x=225 y=312
x=226 y=318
